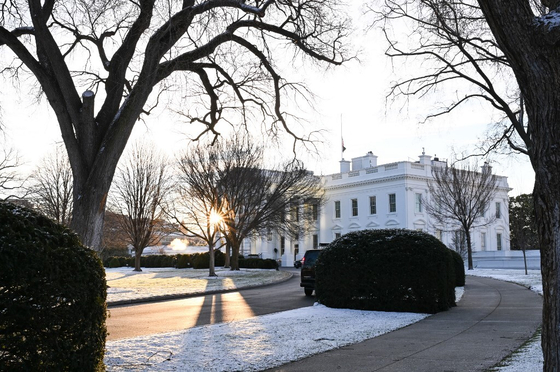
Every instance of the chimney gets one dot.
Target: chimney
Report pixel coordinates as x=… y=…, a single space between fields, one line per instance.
x=344 y=166
x=425 y=159
x=364 y=162
x=486 y=168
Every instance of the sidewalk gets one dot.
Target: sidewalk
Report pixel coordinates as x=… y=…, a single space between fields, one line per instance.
x=492 y=320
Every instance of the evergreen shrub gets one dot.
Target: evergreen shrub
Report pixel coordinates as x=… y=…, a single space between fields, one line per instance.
x=183 y=261
x=159 y=260
x=387 y=270
x=459 y=266
x=52 y=296
x=258 y=263
x=114 y=262
x=114 y=252
x=202 y=260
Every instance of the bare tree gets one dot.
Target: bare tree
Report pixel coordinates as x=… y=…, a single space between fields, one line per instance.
x=460 y=196
x=198 y=206
x=221 y=52
x=459 y=243
x=138 y=194
x=51 y=188
x=257 y=200
x=249 y=197
x=115 y=238
x=523 y=35
x=11 y=182
x=452 y=42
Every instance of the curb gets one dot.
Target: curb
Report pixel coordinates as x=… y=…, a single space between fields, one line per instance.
x=190 y=295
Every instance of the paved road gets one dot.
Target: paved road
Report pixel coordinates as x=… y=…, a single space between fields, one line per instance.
x=493 y=319
x=144 y=319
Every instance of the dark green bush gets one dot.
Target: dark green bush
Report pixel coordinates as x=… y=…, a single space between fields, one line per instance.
x=195 y=260
x=388 y=270
x=183 y=261
x=159 y=260
x=114 y=262
x=126 y=261
x=202 y=260
x=258 y=263
x=459 y=266
x=109 y=252
x=52 y=296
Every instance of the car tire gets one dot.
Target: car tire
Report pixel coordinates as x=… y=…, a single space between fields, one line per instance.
x=308 y=291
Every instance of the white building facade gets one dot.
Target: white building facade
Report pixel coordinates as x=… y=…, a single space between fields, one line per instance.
x=365 y=195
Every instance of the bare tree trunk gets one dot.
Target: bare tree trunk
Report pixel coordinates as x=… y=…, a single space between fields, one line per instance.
x=228 y=253
x=547 y=210
x=88 y=213
x=469 y=249
x=137 y=259
x=525 y=259
x=212 y=264
x=235 y=256
x=531 y=47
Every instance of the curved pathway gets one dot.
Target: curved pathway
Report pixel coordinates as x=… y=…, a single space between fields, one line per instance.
x=493 y=319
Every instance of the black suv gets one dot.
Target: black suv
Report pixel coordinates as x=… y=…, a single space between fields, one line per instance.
x=308 y=271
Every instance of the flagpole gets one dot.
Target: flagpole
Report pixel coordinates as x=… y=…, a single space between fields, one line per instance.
x=341 y=139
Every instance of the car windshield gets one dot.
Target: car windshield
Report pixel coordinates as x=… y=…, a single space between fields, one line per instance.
x=311 y=257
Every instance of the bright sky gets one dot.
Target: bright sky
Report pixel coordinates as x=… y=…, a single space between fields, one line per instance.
x=350 y=97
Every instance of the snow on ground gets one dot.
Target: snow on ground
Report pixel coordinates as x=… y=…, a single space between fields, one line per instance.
x=253 y=344
x=264 y=342
x=126 y=285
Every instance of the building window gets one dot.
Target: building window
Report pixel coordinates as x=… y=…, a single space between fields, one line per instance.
x=392 y=203
x=498 y=210
x=418 y=207
x=499 y=241
x=269 y=235
x=282 y=244
x=315 y=241
x=337 y=235
x=337 y=209
x=354 y=207
x=483 y=241
x=294 y=213
x=314 y=212
x=439 y=234
x=372 y=205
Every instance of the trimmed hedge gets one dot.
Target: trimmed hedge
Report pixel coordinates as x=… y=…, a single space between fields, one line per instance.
x=388 y=270
x=202 y=260
x=194 y=260
x=258 y=263
x=183 y=261
x=52 y=296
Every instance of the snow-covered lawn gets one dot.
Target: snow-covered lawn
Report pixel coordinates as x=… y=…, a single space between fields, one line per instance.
x=126 y=285
x=253 y=344
x=263 y=342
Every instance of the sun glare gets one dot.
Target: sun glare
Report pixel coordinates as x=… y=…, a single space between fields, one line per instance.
x=178 y=245
x=215 y=218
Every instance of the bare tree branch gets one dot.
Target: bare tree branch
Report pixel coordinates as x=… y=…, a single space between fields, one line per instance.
x=461 y=196
x=138 y=196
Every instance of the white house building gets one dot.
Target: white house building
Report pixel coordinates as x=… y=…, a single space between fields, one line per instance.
x=365 y=195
